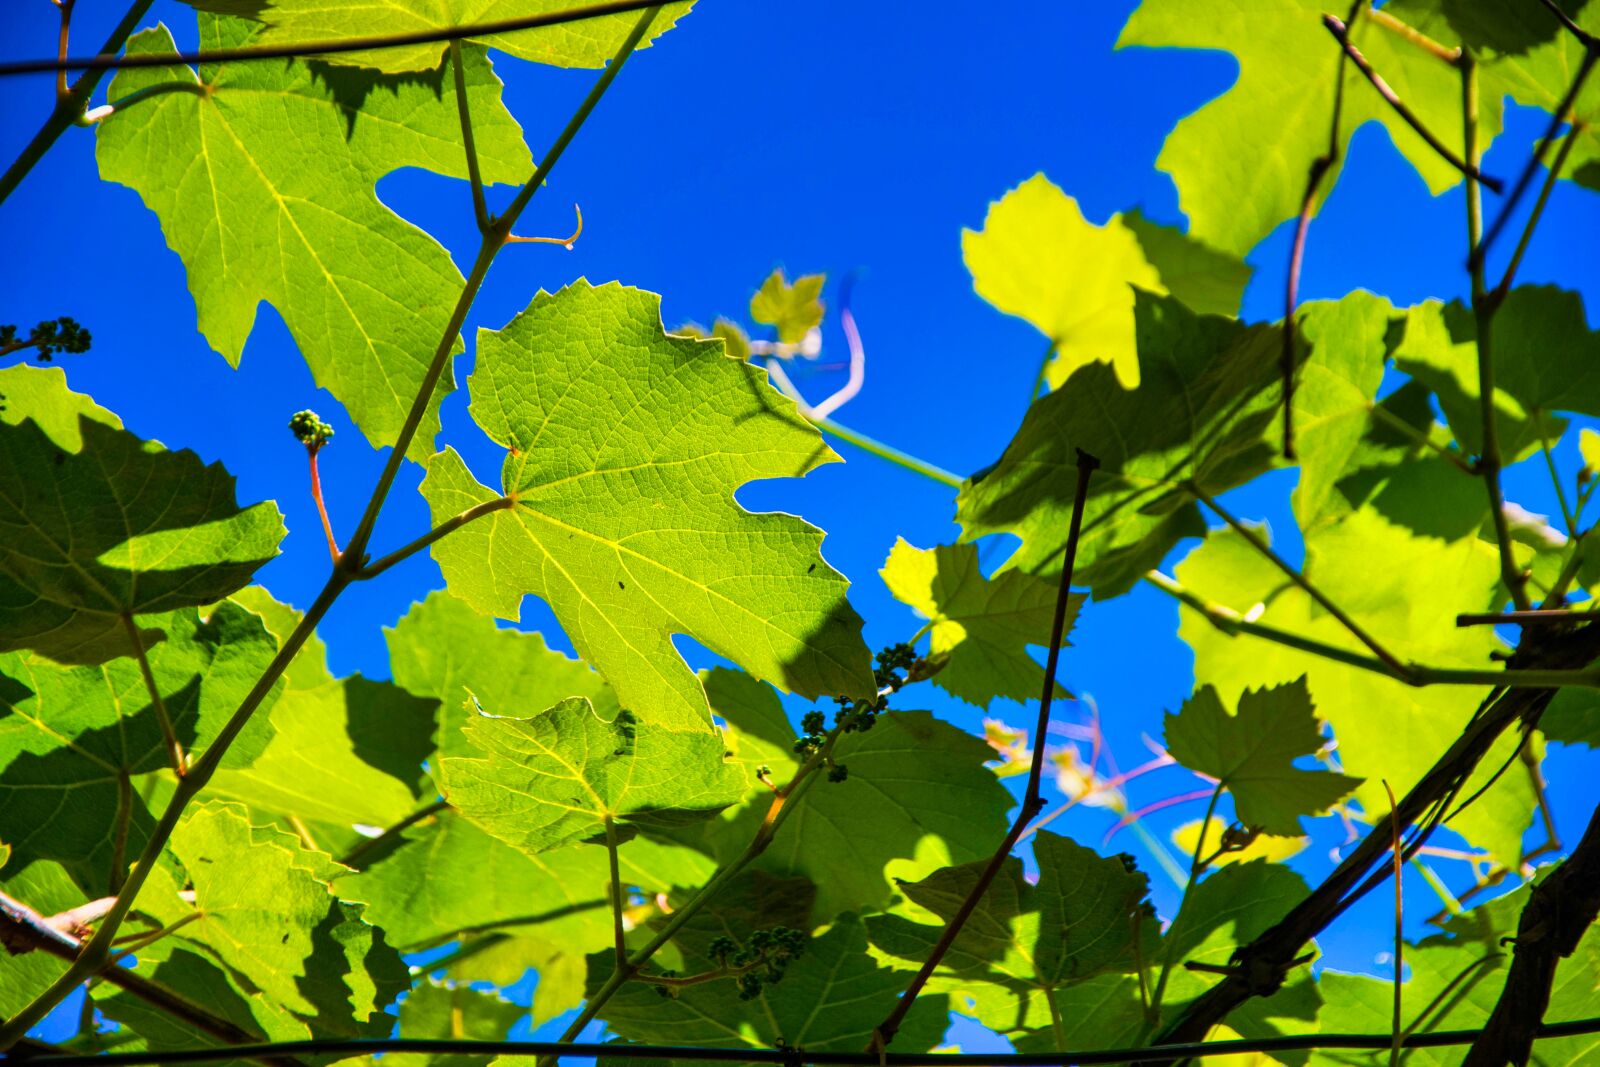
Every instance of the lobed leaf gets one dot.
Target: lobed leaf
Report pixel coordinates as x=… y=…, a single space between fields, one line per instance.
x=262 y=175
x=625 y=446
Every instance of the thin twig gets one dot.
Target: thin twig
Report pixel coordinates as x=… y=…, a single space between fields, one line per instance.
x=68 y=109
x=1481 y=248
x=1532 y=617
x=480 y=207
x=1550 y=178
x=1032 y=801
x=614 y=891
x=1565 y=19
x=1489 y=461
x=175 y=756
x=1411 y=35
x=353 y=858
x=1467 y=167
x=61 y=48
x=444 y=529
x=1165 y=1053
x=1381 y=413
x=1255 y=541
x=327 y=48
x=1297 y=249
x=1399 y=924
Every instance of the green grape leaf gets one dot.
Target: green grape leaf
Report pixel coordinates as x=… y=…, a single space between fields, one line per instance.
x=1335 y=395
x=101 y=524
x=917 y=797
x=978 y=628
x=442 y=1010
x=1228 y=908
x=1038 y=258
x=631 y=533
x=1241 y=162
x=1546 y=359
x=585 y=43
x=560 y=776
x=1385 y=729
x=262 y=177
x=347 y=751
x=1080 y=919
x=1525 y=54
x=1205 y=411
x=1252 y=752
x=444 y=649
x=40 y=395
x=1573 y=717
x=830 y=999
x=795 y=310
x=266 y=911
x=72 y=737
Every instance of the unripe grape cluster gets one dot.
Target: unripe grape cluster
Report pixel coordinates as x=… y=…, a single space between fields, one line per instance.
x=895 y=667
x=762 y=960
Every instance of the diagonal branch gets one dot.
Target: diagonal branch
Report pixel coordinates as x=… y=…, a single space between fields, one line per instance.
x=1258 y=968
x=1468 y=168
x=1559 y=912
x=1032 y=802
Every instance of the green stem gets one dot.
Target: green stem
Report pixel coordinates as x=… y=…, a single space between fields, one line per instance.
x=1483 y=308
x=1232 y=623
x=1555 y=479
x=888 y=452
x=1169 y=957
x=1395 y=422
x=1538 y=210
x=352 y=859
x=69 y=107
x=445 y=528
x=99 y=114
x=1255 y=541
x=492 y=242
x=614 y=892
x=175 y=755
x=480 y=207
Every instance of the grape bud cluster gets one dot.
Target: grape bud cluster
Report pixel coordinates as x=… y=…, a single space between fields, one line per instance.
x=762 y=960
x=49 y=337
x=309 y=429
x=895 y=668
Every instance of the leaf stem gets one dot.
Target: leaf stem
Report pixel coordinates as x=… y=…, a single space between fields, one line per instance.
x=1032 y=801
x=1233 y=623
x=322 y=508
x=1168 y=957
x=1537 y=213
x=1044 y=369
x=614 y=892
x=69 y=107
x=1480 y=249
x=1395 y=422
x=480 y=207
x=1468 y=166
x=95 y=115
x=1382 y=18
x=1255 y=541
x=888 y=452
x=175 y=756
x=1297 y=249
x=1483 y=308
x=449 y=526
x=352 y=859
x=1567 y=516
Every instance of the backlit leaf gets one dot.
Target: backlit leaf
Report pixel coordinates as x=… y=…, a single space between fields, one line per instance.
x=625 y=446
x=262 y=177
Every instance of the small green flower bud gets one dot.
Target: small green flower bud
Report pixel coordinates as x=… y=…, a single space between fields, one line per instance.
x=309 y=429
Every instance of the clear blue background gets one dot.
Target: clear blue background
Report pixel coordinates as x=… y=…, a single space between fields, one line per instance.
x=827 y=136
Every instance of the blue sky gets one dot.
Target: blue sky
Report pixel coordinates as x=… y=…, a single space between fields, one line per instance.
x=834 y=137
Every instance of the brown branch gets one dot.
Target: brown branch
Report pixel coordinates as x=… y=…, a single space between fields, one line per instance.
x=1559 y=912
x=1032 y=801
x=1291 y=295
x=23 y=929
x=1341 y=34
x=1258 y=968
